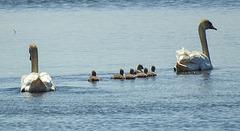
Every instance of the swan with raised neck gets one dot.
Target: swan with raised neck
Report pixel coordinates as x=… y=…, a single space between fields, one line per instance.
x=192 y=61
x=35 y=82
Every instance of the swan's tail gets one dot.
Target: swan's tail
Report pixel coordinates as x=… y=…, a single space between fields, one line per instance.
x=182 y=54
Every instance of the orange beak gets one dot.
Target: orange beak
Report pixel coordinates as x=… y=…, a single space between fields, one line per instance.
x=213 y=28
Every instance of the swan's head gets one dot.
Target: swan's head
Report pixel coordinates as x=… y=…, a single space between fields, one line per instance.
x=131 y=71
x=139 y=67
x=94 y=73
x=33 y=51
x=121 y=72
x=32 y=47
x=145 y=70
x=206 y=24
x=34 y=57
x=153 y=68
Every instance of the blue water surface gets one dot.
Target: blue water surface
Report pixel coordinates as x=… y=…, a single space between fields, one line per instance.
x=75 y=37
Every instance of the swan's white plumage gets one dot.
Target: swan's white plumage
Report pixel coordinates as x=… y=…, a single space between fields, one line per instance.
x=193 y=60
x=28 y=85
x=35 y=82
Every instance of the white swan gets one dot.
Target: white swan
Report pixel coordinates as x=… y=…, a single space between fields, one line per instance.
x=193 y=61
x=35 y=82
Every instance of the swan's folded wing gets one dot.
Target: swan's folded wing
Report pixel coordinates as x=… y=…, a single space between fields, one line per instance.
x=195 y=57
x=195 y=61
x=47 y=80
x=26 y=81
x=202 y=60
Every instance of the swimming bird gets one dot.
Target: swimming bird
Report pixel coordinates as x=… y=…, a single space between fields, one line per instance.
x=139 y=69
x=152 y=73
x=119 y=76
x=142 y=74
x=35 y=82
x=130 y=76
x=93 y=78
x=193 y=61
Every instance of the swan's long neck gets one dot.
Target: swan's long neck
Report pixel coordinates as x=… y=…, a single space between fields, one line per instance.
x=203 y=39
x=34 y=59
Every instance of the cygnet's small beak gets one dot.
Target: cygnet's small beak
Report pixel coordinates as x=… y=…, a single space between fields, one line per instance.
x=30 y=58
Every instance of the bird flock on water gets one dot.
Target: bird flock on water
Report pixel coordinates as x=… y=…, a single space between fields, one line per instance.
x=186 y=61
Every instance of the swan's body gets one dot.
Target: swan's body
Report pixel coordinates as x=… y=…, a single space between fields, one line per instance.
x=139 y=69
x=152 y=73
x=193 y=61
x=130 y=76
x=143 y=74
x=93 y=78
x=119 y=76
x=35 y=82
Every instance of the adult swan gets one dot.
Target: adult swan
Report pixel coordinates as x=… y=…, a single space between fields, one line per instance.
x=194 y=61
x=35 y=82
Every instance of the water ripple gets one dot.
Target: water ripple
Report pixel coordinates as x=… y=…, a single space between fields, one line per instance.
x=118 y=4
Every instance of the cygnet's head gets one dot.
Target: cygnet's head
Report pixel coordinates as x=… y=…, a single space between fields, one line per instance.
x=153 y=68
x=121 y=72
x=139 y=67
x=145 y=70
x=131 y=71
x=94 y=73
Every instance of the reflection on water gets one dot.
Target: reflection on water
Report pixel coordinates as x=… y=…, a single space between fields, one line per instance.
x=31 y=94
x=94 y=83
x=205 y=73
x=152 y=78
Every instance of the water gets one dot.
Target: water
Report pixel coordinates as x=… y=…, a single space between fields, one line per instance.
x=75 y=37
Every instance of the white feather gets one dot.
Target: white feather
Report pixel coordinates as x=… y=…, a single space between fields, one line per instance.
x=26 y=82
x=193 y=60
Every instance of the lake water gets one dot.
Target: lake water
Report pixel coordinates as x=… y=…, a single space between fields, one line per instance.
x=75 y=37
